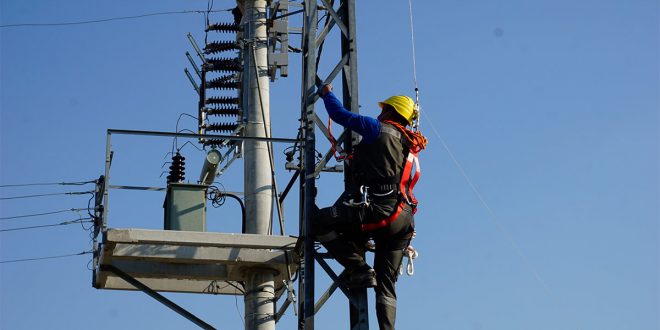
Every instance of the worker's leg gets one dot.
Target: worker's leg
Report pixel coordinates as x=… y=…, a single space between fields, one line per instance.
x=338 y=229
x=389 y=254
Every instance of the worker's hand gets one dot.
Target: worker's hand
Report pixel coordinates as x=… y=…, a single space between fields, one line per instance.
x=325 y=89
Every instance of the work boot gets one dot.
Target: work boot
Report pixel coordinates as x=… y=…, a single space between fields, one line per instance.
x=357 y=274
x=364 y=277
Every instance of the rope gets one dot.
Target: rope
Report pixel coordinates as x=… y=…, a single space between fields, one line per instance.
x=412 y=41
x=492 y=217
x=411 y=254
x=416 y=120
x=418 y=140
x=339 y=156
x=490 y=211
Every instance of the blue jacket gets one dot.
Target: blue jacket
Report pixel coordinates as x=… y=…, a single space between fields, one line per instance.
x=367 y=127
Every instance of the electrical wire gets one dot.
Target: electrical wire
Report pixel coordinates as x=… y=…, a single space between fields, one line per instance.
x=64 y=223
x=45 y=213
x=238 y=310
x=44 y=258
x=209 y=8
x=216 y=196
x=89 y=207
x=188 y=142
x=109 y=19
x=269 y=147
x=175 y=143
x=51 y=194
x=214 y=288
x=79 y=183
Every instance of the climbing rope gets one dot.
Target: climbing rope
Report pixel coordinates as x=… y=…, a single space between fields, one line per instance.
x=338 y=154
x=416 y=138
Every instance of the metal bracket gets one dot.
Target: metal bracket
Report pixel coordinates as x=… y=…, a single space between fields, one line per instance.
x=160 y=298
x=278 y=39
x=321 y=261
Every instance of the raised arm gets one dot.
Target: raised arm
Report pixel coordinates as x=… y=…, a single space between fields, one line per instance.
x=368 y=127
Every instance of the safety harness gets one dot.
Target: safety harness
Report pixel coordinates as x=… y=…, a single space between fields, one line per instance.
x=408 y=180
x=409 y=177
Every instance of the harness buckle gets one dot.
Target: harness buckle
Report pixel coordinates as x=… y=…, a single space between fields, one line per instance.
x=364 y=198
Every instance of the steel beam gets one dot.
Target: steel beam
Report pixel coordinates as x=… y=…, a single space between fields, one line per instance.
x=306 y=282
x=344 y=18
x=160 y=298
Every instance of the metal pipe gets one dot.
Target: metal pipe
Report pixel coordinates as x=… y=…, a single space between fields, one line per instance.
x=192 y=81
x=194 y=65
x=197 y=50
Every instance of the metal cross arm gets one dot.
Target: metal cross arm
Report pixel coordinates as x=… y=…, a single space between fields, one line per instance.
x=335 y=17
x=321 y=165
x=337 y=69
x=321 y=261
x=325 y=131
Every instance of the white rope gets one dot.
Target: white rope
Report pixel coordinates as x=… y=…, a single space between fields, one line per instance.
x=490 y=211
x=412 y=41
x=411 y=253
x=416 y=121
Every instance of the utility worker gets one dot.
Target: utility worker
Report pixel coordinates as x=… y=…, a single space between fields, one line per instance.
x=379 y=205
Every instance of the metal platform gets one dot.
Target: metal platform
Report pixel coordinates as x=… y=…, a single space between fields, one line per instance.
x=192 y=262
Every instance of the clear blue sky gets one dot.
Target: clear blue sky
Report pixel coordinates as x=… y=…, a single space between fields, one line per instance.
x=550 y=107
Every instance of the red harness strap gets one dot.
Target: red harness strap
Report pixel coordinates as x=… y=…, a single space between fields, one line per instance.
x=408 y=181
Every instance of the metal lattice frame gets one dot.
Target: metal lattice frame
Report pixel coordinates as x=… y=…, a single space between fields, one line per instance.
x=342 y=17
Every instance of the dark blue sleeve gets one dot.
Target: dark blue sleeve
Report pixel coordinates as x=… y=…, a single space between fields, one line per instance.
x=368 y=127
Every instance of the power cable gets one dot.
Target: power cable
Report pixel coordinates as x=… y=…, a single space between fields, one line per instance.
x=65 y=223
x=80 y=183
x=269 y=147
x=110 y=19
x=45 y=213
x=175 y=142
x=89 y=206
x=51 y=194
x=44 y=258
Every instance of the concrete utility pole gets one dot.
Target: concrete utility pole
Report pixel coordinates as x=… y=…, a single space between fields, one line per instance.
x=259 y=285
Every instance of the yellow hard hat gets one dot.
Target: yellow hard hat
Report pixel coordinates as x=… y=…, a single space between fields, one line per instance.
x=403 y=105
